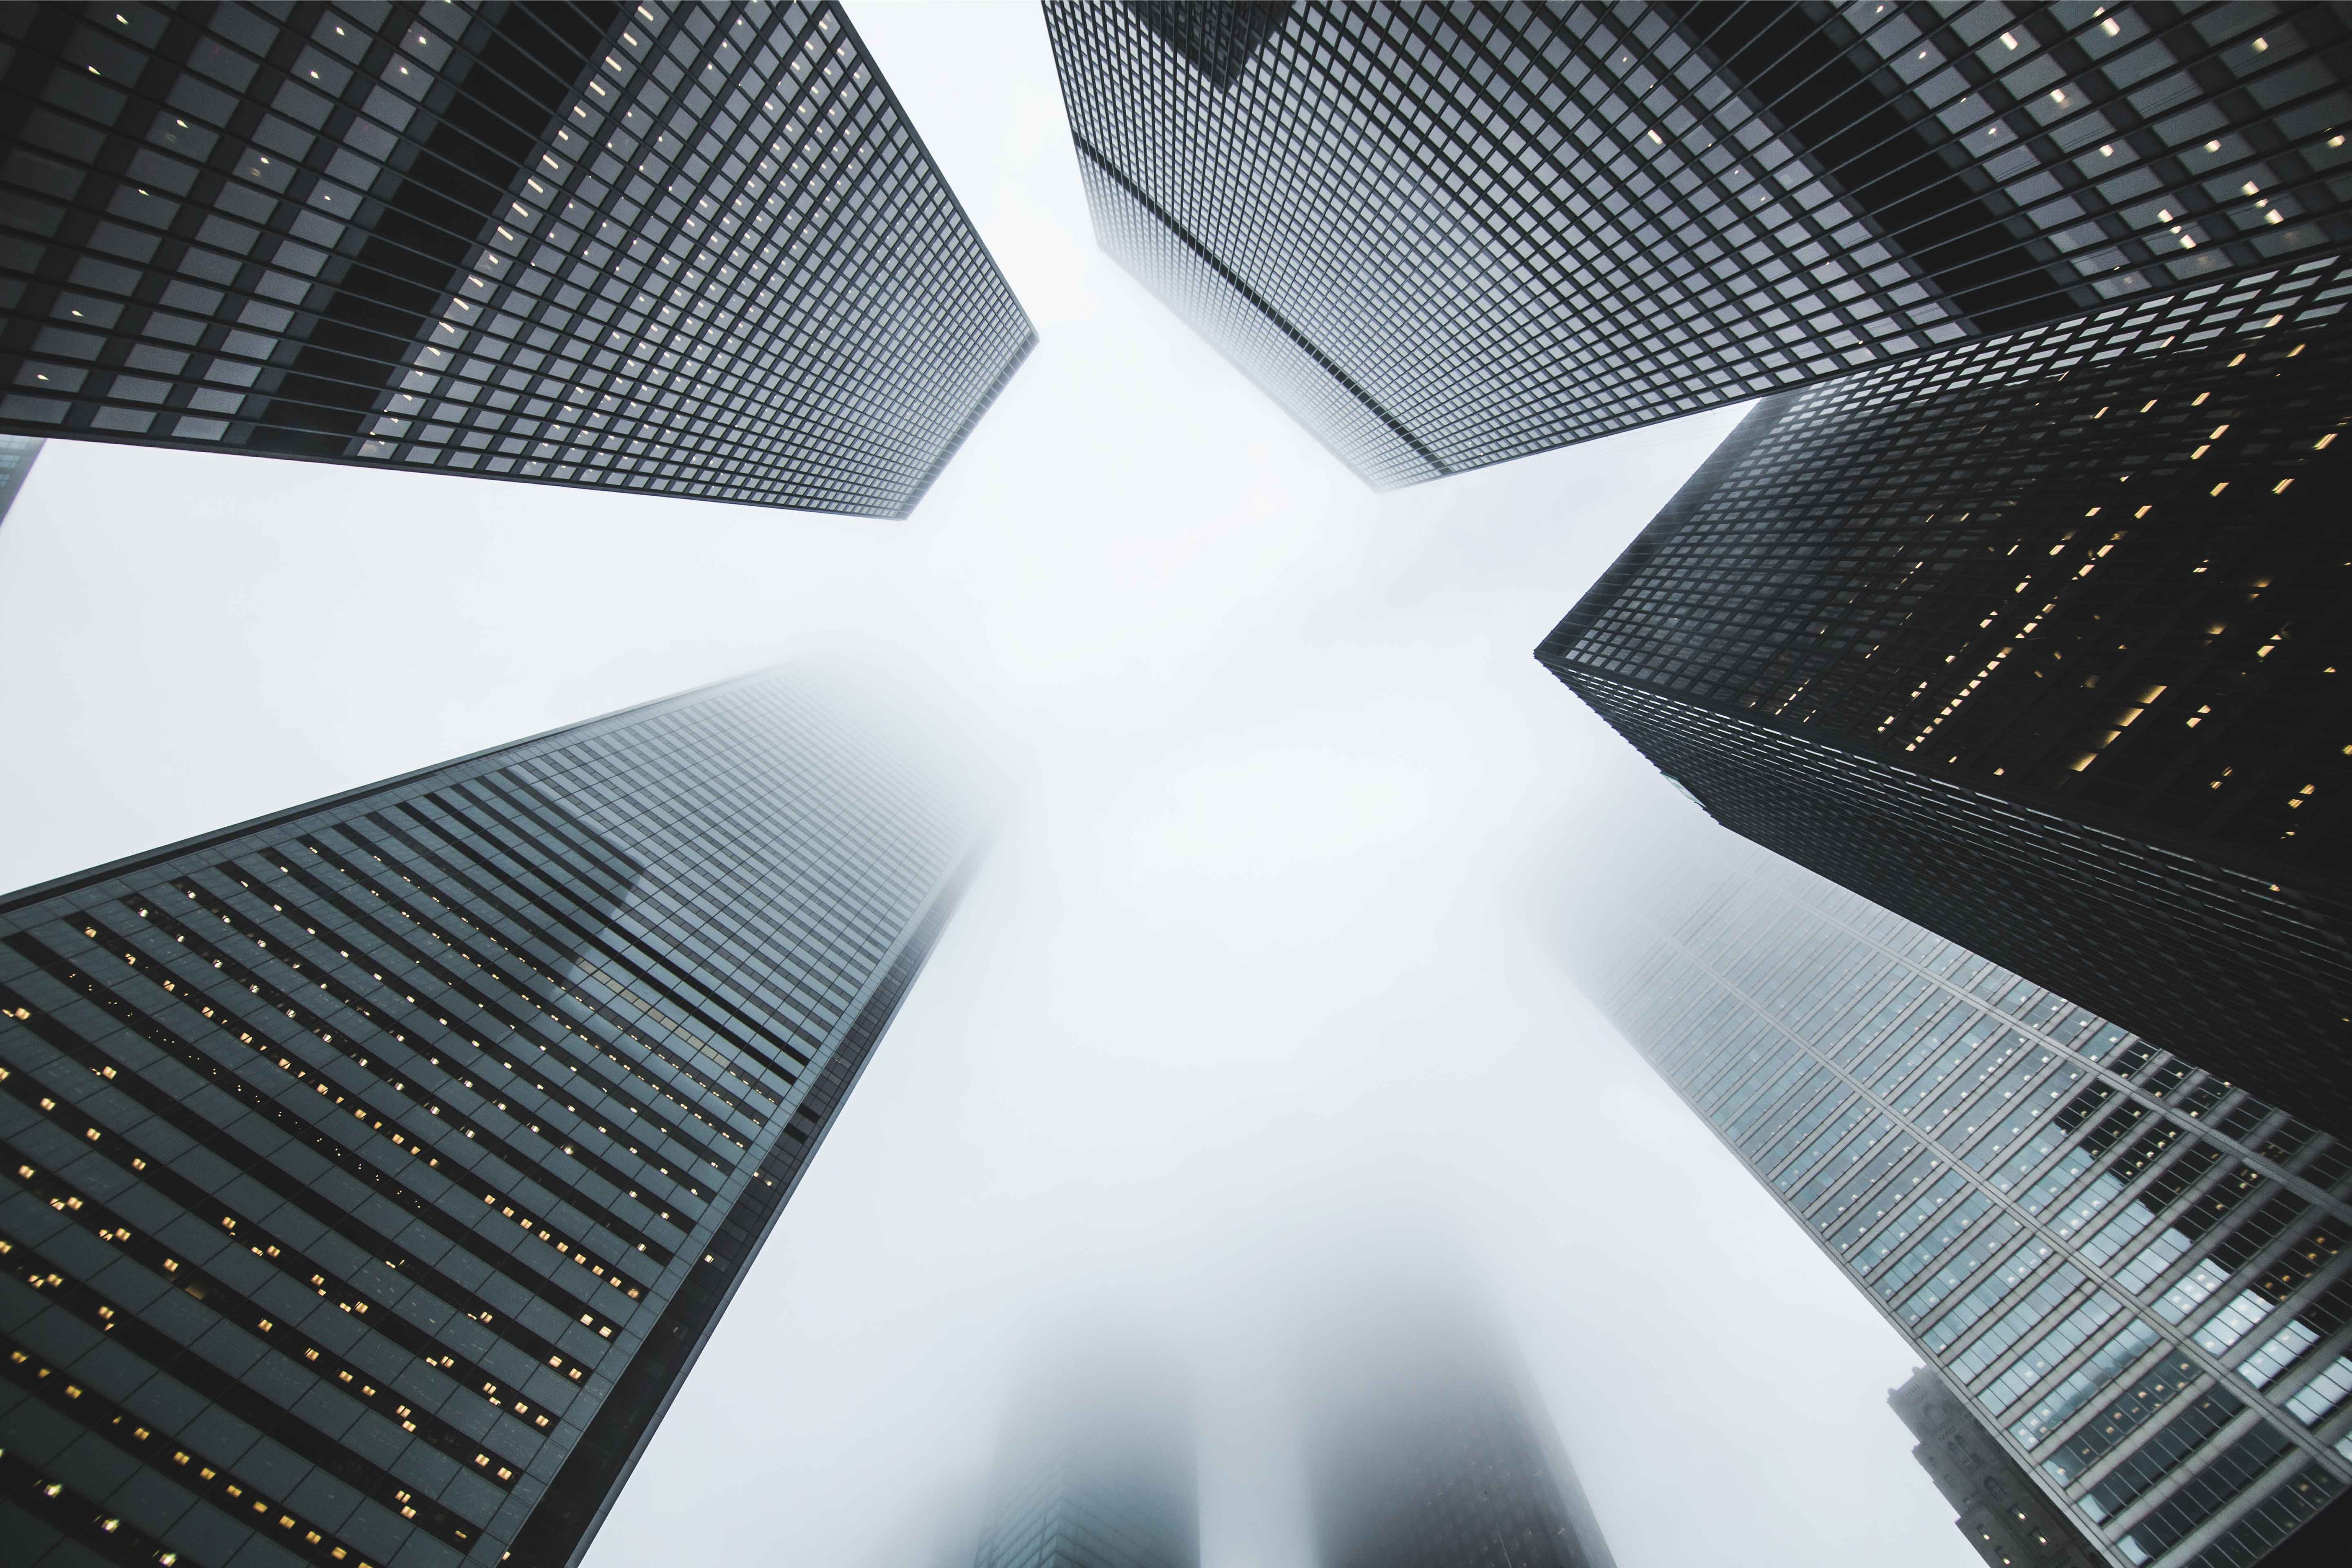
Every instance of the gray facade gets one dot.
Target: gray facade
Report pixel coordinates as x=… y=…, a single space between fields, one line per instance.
x=1097 y=1470
x=2131 y=1267
x=1426 y=1447
x=376 y=1170
x=2002 y=1514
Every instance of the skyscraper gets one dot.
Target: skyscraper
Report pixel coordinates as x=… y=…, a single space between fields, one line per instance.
x=2045 y=642
x=1426 y=1447
x=1448 y=236
x=680 y=249
x=1097 y=1471
x=375 y=1170
x=17 y=455
x=2002 y=1514
x=2132 y=1269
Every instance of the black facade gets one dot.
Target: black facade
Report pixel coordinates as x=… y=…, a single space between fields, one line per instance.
x=2002 y=1514
x=1446 y=236
x=375 y=1171
x=2040 y=642
x=680 y=249
x=1426 y=1448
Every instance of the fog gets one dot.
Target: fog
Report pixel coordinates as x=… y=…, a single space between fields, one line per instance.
x=1268 y=941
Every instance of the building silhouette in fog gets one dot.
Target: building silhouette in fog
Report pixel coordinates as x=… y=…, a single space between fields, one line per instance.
x=1097 y=1469
x=376 y=1170
x=1427 y=1448
x=2129 y=1270
x=2004 y=1514
x=686 y=250
x=1447 y=236
x=17 y=455
x=2046 y=644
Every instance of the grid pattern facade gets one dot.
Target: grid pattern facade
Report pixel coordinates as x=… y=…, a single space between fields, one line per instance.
x=1446 y=236
x=2003 y=1515
x=2131 y=1270
x=680 y=249
x=1433 y=1455
x=373 y=1172
x=2041 y=640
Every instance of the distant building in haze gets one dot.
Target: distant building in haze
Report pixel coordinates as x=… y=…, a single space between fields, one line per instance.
x=2004 y=1514
x=1097 y=1470
x=2043 y=643
x=2132 y=1270
x=17 y=455
x=685 y=250
x=375 y=1171
x=1447 y=236
x=1426 y=1447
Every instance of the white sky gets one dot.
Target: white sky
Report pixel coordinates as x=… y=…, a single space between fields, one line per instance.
x=1263 y=943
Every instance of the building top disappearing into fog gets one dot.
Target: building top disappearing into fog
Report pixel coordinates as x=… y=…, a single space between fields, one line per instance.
x=1447 y=236
x=375 y=1171
x=680 y=249
x=1098 y=1470
x=2132 y=1271
x=1427 y=1448
x=2045 y=642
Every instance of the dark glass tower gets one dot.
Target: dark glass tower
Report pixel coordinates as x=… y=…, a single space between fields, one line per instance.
x=683 y=250
x=375 y=1171
x=2004 y=1514
x=1098 y=1471
x=2045 y=642
x=1425 y=1446
x=2131 y=1272
x=1445 y=236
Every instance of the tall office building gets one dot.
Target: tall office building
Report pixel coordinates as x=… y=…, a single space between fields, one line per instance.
x=2131 y=1269
x=1426 y=1447
x=1448 y=236
x=686 y=250
x=374 y=1171
x=1098 y=1470
x=17 y=455
x=2004 y=1514
x=2043 y=643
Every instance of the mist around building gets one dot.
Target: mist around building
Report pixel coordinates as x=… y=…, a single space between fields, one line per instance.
x=1208 y=785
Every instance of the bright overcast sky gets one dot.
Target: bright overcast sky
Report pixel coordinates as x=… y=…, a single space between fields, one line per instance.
x=1263 y=940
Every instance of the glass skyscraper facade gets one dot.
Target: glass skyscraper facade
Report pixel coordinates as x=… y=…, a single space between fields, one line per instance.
x=1426 y=1446
x=374 y=1171
x=2131 y=1270
x=2003 y=1515
x=2045 y=643
x=682 y=249
x=1446 y=236
x=1098 y=1470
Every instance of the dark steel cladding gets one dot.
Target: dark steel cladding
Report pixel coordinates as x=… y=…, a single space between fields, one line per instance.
x=374 y=1172
x=1446 y=236
x=2042 y=641
x=681 y=249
